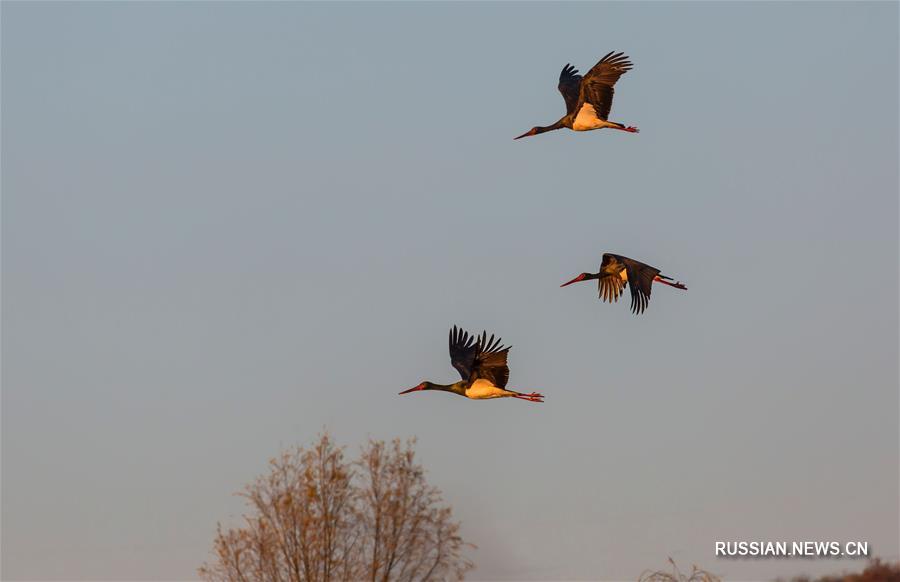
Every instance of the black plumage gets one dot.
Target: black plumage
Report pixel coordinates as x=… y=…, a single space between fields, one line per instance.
x=479 y=357
x=590 y=95
x=597 y=85
x=481 y=362
x=570 y=87
x=639 y=275
x=617 y=271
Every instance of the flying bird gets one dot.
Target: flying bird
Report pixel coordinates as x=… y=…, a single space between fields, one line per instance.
x=616 y=271
x=589 y=98
x=482 y=364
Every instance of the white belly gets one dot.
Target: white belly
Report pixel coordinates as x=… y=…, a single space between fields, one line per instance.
x=587 y=119
x=481 y=389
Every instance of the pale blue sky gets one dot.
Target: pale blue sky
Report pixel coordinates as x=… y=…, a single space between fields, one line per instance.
x=227 y=226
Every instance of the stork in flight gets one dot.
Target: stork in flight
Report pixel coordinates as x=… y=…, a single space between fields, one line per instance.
x=589 y=98
x=482 y=364
x=616 y=271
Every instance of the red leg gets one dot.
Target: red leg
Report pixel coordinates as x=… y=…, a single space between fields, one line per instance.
x=676 y=284
x=629 y=129
x=533 y=397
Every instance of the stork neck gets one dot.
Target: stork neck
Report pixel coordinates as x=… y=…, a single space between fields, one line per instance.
x=558 y=125
x=456 y=387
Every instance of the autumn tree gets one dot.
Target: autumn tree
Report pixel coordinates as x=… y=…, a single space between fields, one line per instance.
x=407 y=534
x=317 y=517
x=676 y=575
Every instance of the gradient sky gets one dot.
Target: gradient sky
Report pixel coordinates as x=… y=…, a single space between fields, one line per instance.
x=226 y=227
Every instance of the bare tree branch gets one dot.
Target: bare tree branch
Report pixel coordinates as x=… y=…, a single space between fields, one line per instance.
x=316 y=517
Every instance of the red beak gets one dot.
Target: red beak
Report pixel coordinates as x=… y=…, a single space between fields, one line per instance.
x=413 y=389
x=575 y=280
x=526 y=134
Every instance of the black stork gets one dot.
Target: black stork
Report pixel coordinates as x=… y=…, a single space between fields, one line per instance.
x=616 y=271
x=482 y=364
x=589 y=98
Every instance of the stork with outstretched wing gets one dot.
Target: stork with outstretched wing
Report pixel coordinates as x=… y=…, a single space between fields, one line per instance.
x=481 y=361
x=616 y=271
x=589 y=98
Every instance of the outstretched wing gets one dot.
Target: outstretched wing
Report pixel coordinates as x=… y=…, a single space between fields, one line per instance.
x=569 y=86
x=490 y=361
x=463 y=351
x=611 y=283
x=597 y=85
x=610 y=287
x=640 y=280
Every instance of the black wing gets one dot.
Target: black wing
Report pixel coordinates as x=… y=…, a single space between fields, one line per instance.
x=490 y=362
x=597 y=85
x=463 y=351
x=640 y=280
x=569 y=86
x=479 y=357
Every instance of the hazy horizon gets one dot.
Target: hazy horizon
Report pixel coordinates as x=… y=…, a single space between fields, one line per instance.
x=229 y=226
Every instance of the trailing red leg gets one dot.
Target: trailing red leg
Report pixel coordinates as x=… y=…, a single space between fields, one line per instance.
x=670 y=282
x=628 y=128
x=533 y=397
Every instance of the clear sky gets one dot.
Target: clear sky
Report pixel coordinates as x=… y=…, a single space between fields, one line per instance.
x=226 y=227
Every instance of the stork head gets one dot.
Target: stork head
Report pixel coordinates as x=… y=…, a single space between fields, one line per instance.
x=581 y=277
x=418 y=387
